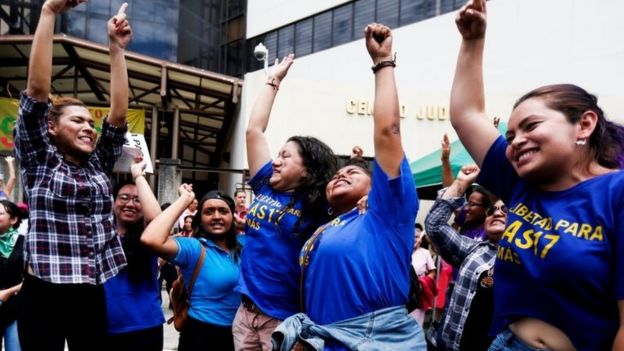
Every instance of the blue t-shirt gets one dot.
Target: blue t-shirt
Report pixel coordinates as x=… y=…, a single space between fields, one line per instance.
x=269 y=270
x=360 y=263
x=213 y=299
x=133 y=304
x=561 y=258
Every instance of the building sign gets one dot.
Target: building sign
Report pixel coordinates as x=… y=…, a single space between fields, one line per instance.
x=363 y=107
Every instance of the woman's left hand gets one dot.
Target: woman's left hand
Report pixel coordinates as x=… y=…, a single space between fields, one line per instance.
x=137 y=169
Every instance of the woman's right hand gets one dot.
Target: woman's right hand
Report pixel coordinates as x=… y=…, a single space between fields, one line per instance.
x=280 y=68
x=186 y=192
x=468 y=175
x=471 y=20
x=58 y=6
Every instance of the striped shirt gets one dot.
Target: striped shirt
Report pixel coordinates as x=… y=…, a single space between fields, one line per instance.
x=472 y=256
x=71 y=239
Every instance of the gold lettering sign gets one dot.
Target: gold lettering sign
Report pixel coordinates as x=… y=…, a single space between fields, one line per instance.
x=363 y=107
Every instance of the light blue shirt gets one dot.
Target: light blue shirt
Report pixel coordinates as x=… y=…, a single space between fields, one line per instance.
x=213 y=299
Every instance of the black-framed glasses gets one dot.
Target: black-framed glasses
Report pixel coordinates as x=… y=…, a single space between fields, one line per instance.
x=125 y=198
x=475 y=204
x=492 y=209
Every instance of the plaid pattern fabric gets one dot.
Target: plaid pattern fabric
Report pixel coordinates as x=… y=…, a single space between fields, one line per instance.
x=71 y=239
x=471 y=256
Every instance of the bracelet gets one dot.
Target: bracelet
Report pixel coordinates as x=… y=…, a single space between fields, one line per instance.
x=274 y=82
x=382 y=64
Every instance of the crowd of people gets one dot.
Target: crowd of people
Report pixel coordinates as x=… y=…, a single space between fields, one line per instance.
x=322 y=258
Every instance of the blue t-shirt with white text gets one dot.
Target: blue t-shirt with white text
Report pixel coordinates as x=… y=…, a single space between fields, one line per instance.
x=561 y=257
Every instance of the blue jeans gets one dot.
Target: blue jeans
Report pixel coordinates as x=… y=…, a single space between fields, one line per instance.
x=506 y=341
x=11 y=340
x=386 y=329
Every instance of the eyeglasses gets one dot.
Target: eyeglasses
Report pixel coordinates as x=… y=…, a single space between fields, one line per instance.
x=474 y=204
x=125 y=198
x=492 y=210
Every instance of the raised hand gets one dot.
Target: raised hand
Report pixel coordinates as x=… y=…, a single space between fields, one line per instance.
x=137 y=169
x=9 y=159
x=468 y=174
x=445 y=147
x=280 y=68
x=58 y=6
x=186 y=191
x=378 y=42
x=471 y=20
x=119 y=30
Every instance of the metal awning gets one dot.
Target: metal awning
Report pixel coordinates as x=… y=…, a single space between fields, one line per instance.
x=198 y=103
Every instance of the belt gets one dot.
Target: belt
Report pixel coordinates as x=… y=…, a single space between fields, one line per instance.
x=249 y=304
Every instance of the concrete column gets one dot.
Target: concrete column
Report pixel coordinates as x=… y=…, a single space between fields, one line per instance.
x=175 y=133
x=169 y=180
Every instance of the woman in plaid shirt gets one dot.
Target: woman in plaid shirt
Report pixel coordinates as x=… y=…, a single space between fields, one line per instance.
x=468 y=316
x=71 y=247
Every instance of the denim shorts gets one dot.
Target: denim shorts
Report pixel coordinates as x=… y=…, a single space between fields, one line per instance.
x=507 y=341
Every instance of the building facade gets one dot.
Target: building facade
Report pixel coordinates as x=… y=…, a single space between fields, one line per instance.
x=328 y=93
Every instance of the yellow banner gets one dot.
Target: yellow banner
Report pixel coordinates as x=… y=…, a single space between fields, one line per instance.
x=8 y=116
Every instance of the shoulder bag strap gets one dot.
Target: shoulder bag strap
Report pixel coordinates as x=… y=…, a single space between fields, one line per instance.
x=198 y=265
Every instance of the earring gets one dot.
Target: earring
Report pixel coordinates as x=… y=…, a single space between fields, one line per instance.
x=330 y=211
x=581 y=142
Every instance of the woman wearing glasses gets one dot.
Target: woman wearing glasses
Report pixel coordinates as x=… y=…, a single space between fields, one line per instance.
x=468 y=317
x=133 y=300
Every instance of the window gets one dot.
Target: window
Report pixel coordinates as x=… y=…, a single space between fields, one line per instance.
x=388 y=12
x=364 y=13
x=303 y=37
x=412 y=11
x=343 y=24
x=286 y=43
x=322 y=31
x=270 y=41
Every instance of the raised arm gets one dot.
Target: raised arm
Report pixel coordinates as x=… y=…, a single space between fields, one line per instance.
x=156 y=234
x=467 y=106
x=258 y=153
x=40 y=64
x=445 y=158
x=119 y=35
x=10 y=184
x=453 y=247
x=150 y=205
x=387 y=130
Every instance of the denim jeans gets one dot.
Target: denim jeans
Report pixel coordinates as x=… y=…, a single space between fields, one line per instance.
x=506 y=341
x=388 y=329
x=11 y=340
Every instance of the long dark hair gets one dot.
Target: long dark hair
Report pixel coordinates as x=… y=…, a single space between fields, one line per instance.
x=230 y=236
x=138 y=257
x=320 y=164
x=606 y=142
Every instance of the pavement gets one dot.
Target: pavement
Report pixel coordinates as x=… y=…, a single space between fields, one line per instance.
x=170 y=334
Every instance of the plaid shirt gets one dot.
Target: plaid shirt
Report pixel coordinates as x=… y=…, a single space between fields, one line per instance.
x=472 y=256
x=71 y=239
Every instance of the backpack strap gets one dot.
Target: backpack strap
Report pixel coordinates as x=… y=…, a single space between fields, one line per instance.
x=198 y=265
